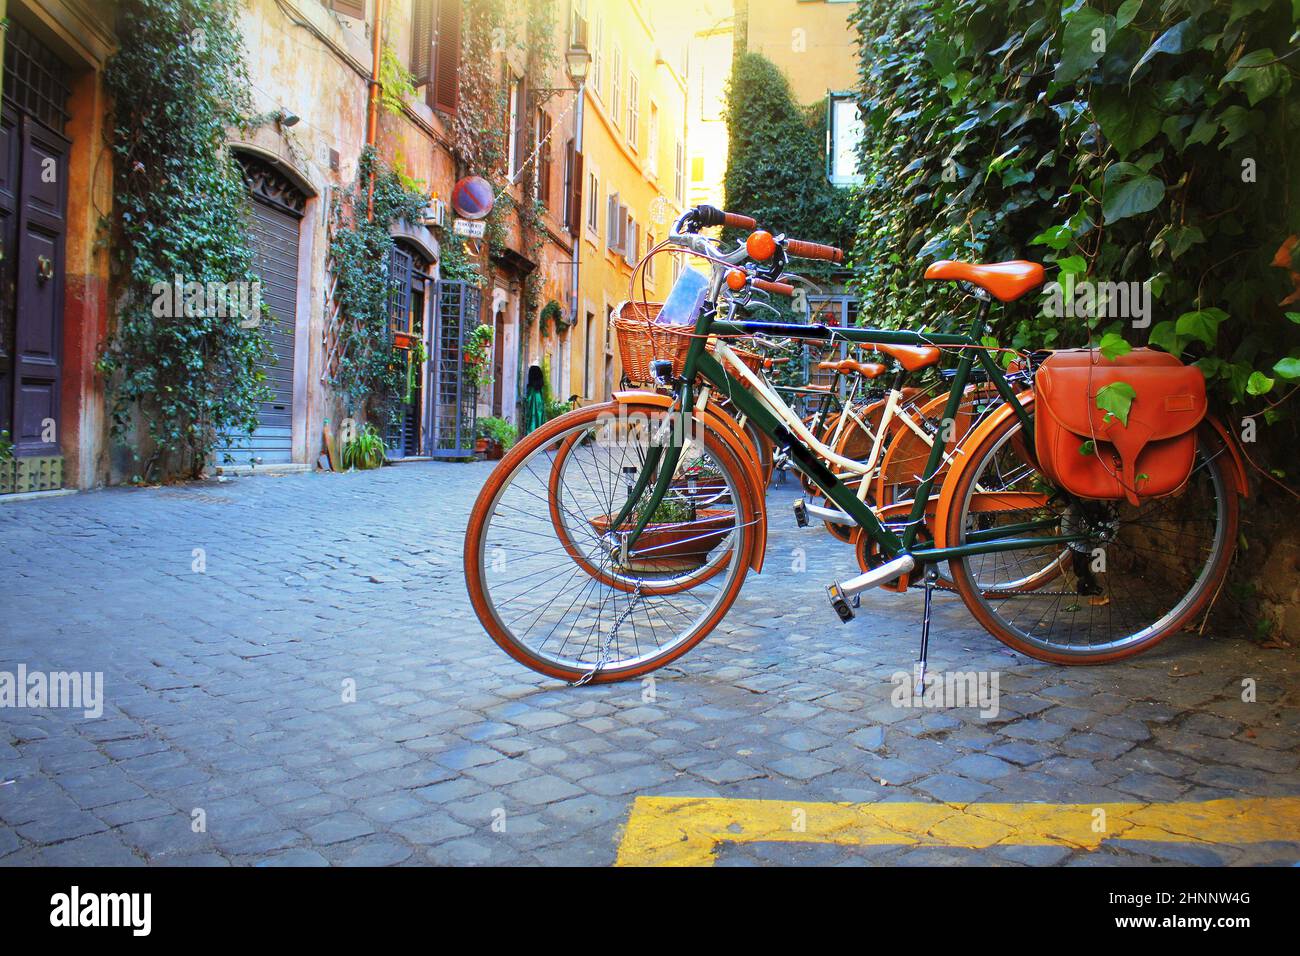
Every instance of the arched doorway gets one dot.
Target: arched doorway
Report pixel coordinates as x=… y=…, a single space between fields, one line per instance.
x=278 y=205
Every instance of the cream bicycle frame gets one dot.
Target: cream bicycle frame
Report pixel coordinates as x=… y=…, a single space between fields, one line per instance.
x=783 y=412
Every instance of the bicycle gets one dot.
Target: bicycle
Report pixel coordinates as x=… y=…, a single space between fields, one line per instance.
x=997 y=522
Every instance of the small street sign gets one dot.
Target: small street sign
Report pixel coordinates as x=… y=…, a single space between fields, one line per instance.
x=474 y=230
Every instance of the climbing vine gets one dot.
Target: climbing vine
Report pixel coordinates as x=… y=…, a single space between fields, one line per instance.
x=1130 y=142
x=180 y=369
x=369 y=374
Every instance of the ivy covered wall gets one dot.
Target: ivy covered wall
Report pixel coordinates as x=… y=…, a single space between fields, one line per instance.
x=1134 y=141
x=1150 y=142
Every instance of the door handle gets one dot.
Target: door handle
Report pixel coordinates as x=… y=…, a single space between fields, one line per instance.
x=44 y=268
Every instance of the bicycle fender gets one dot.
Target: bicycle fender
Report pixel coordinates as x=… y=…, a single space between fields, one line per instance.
x=734 y=437
x=1234 y=449
x=961 y=459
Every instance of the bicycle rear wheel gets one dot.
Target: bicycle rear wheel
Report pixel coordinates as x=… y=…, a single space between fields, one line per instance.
x=1140 y=574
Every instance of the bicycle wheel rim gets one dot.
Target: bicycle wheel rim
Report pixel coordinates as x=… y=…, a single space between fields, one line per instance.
x=645 y=643
x=1030 y=618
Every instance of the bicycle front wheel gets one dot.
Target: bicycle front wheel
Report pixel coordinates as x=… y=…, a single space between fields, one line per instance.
x=1138 y=575
x=610 y=613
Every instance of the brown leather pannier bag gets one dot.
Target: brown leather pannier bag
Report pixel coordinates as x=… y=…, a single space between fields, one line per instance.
x=1149 y=457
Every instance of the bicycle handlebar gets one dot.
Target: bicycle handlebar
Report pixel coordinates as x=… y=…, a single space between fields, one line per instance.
x=778 y=288
x=801 y=249
x=712 y=216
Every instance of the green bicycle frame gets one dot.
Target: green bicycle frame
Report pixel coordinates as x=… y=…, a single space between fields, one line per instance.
x=700 y=363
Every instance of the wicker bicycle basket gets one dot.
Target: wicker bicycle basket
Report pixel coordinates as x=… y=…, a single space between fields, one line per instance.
x=641 y=341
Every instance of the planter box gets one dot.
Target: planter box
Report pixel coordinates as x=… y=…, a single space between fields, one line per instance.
x=676 y=546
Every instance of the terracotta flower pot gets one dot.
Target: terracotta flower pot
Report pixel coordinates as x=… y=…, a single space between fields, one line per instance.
x=678 y=545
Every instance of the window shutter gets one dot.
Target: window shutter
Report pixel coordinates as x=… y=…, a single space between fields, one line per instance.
x=544 y=158
x=523 y=145
x=576 y=179
x=349 y=8
x=422 y=41
x=444 y=90
x=611 y=222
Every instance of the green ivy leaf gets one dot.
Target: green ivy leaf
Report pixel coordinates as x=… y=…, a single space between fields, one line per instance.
x=1182 y=238
x=1259 y=384
x=1080 y=50
x=1164 y=335
x=1116 y=399
x=1177 y=39
x=1072 y=265
x=1294 y=316
x=1127 y=11
x=1113 y=345
x=1202 y=325
x=1132 y=197
x=1259 y=74
x=1057 y=237
x=1128 y=118
x=1288 y=368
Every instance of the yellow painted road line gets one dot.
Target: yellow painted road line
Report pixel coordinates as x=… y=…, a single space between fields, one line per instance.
x=686 y=831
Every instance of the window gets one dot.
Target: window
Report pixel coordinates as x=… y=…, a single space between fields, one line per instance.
x=631 y=240
x=515 y=146
x=616 y=86
x=633 y=110
x=589 y=359
x=578 y=23
x=616 y=231
x=348 y=8
x=845 y=132
x=598 y=54
x=544 y=158
x=649 y=263
x=679 y=173
x=422 y=42
x=443 y=85
x=569 y=219
x=652 y=143
x=593 y=204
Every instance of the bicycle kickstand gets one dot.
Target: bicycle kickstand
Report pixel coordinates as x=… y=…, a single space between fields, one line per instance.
x=931 y=578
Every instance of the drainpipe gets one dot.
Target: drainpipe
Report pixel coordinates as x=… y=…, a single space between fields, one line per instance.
x=372 y=105
x=578 y=234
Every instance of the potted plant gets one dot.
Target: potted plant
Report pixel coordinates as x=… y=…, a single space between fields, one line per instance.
x=552 y=314
x=678 y=537
x=495 y=435
x=701 y=481
x=365 y=450
x=477 y=358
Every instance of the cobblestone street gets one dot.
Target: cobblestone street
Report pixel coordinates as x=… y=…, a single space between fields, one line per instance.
x=231 y=619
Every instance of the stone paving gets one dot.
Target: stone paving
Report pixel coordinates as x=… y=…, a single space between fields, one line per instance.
x=230 y=621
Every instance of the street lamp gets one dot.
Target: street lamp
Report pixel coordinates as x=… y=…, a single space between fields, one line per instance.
x=577 y=62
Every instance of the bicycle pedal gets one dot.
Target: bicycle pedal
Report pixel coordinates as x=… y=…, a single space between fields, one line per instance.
x=839 y=603
x=801 y=513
